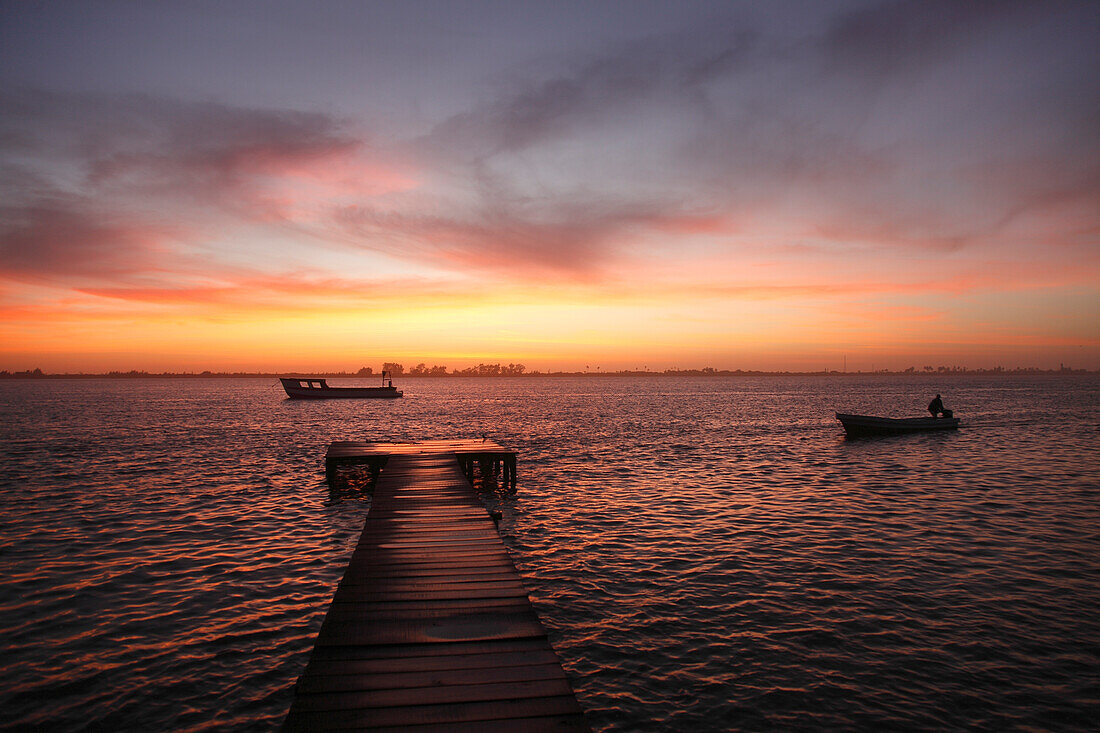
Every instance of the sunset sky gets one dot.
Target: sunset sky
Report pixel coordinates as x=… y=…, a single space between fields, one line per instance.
x=303 y=186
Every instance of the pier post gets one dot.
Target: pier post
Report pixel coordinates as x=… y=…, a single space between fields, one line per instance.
x=330 y=473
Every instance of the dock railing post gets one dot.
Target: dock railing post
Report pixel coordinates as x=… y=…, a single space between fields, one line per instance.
x=330 y=473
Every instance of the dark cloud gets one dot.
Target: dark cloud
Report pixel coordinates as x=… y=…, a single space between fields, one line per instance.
x=596 y=92
x=572 y=240
x=876 y=127
x=887 y=39
x=103 y=122
x=198 y=151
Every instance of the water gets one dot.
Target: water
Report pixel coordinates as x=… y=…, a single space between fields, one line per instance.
x=706 y=554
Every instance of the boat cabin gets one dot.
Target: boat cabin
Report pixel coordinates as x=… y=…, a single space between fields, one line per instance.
x=308 y=383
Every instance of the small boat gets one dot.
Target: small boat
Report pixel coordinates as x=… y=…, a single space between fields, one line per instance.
x=855 y=425
x=305 y=388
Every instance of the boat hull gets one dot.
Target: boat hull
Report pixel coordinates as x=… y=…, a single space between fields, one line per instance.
x=296 y=390
x=860 y=425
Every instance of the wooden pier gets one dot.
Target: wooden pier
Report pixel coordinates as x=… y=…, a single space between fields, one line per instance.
x=430 y=628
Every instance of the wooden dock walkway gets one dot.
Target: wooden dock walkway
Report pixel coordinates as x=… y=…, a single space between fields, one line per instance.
x=430 y=628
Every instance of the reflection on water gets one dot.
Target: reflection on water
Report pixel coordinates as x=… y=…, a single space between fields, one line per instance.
x=707 y=554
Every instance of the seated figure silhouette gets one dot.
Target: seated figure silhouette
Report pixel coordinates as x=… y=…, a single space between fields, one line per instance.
x=936 y=407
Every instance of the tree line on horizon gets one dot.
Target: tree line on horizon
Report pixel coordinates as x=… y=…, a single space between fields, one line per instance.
x=423 y=370
x=394 y=369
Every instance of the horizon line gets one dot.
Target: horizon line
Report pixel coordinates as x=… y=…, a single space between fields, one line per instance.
x=473 y=372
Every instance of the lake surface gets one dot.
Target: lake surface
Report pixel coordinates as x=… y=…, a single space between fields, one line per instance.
x=707 y=554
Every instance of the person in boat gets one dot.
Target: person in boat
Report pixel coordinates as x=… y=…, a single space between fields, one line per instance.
x=936 y=407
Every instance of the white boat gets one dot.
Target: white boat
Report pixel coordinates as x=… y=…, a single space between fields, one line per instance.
x=855 y=425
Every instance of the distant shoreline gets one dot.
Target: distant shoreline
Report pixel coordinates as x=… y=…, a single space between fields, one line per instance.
x=953 y=372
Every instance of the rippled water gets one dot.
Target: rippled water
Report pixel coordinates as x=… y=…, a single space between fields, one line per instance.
x=707 y=554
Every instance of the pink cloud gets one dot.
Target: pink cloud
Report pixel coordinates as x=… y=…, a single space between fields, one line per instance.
x=61 y=240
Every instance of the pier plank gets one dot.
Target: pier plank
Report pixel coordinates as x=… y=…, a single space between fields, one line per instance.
x=368 y=592
x=430 y=628
x=420 y=630
x=391 y=564
x=447 y=716
x=430 y=650
x=420 y=697
x=423 y=609
x=360 y=681
x=449 y=662
x=554 y=724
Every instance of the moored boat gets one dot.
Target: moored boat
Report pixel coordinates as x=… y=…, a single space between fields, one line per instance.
x=855 y=425
x=307 y=388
